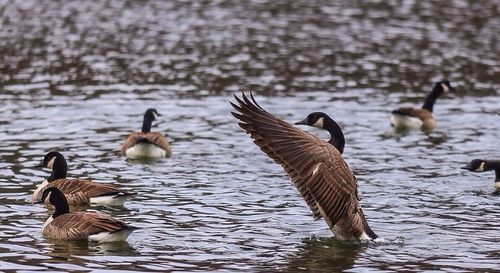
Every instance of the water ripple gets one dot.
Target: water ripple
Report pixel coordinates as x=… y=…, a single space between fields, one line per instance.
x=77 y=77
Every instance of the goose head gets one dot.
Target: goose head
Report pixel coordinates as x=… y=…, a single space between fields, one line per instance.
x=476 y=165
x=52 y=159
x=56 y=198
x=149 y=116
x=315 y=119
x=323 y=121
x=443 y=86
x=57 y=163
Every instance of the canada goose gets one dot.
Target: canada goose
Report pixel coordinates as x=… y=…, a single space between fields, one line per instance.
x=315 y=166
x=411 y=118
x=146 y=144
x=77 y=191
x=479 y=166
x=65 y=225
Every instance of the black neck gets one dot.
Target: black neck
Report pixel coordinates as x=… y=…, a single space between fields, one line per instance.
x=432 y=97
x=59 y=169
x=61 y=205
x=146 y=123
x=493 y=166
x=336 y=134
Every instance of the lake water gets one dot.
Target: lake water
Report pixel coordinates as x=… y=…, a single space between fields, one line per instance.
x=77 y=77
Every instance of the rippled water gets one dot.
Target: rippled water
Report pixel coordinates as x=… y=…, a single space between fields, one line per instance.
x=78 y=76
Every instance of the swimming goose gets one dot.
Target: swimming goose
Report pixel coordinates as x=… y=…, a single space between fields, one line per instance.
x=315 y=166
x=78 y=191
x=81 y=225
x=479 y=166
x=146 y=144
x=411 y=118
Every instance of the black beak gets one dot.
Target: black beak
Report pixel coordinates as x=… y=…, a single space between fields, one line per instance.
x=40 y=165
x=466 y=168
x=303 y=122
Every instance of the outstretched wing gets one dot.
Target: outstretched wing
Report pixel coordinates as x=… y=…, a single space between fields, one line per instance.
x=302 y=155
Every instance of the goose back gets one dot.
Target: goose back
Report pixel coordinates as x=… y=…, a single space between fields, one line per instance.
x=80 y=192
x=82 y=225
x=155 y=138
x=407 y=117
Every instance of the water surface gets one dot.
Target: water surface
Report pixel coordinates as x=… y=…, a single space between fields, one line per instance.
x=78 y=76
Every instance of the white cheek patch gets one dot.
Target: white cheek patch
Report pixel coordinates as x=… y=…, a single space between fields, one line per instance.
x=48 y=196
x=480 y=168
x=51 y=163
x=319 y=122
x=445 y=87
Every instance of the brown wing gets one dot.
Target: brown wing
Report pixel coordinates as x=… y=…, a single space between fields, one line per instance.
x=80 y=225
x=79 y=191
x=155 y=138
x=412 y=112
x=340 y=208
x=299 y=153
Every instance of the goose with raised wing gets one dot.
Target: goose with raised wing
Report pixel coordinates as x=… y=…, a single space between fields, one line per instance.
x=78 y=191
x=315 y=166
x=81 y=225
x=147 y=144
x=423 y=119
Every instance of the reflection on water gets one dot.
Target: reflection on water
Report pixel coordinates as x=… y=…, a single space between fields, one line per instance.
x=77 y=76
x=319 y=254
x=66 y=250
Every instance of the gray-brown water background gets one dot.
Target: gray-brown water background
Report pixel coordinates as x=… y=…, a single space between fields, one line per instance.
x=76 y=76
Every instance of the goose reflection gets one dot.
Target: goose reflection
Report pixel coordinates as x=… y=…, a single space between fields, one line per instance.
x=325 y=255
x=65 y=250
x=69 y=250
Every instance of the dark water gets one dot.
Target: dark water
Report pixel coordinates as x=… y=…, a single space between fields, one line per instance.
x=77 y=76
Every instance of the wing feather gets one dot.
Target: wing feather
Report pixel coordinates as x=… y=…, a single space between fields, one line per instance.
x=155 y=138
x=79 y=191
x=299 y=152
x=80 y=225
x=412 y=112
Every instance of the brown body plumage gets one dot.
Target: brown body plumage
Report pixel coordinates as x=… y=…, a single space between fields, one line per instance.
x=80 y=192
x=80 y=225
x=154 y=138
x=423 y=119
x=65 y=225
x=427 y=120
x=77 y=191
x=315 y=166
